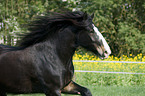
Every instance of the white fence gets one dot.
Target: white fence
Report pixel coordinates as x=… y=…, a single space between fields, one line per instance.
x=108 y=62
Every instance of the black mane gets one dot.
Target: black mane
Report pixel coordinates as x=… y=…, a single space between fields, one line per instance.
x=45 y=26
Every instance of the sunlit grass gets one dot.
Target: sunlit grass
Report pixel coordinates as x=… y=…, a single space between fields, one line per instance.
x=117 y=67
x=105 y=79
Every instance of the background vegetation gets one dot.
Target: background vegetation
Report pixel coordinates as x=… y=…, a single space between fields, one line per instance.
x=122 y=22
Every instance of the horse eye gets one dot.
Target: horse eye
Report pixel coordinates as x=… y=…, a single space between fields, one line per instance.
x=91 y=31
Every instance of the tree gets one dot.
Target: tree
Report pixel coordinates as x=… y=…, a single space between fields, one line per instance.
x=122 y=22
x=17 y=12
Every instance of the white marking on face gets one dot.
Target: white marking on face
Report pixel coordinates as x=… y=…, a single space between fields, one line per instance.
x=101 y=38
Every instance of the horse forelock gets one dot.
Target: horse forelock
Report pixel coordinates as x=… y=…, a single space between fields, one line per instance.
x=43 y=27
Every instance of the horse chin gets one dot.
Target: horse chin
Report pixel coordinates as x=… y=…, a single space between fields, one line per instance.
x=102 y=58
x=98 y=55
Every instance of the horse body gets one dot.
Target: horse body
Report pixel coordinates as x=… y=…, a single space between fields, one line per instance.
x=47 y=63
x=44 y=65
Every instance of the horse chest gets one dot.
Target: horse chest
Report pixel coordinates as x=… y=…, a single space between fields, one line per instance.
x=68 y=75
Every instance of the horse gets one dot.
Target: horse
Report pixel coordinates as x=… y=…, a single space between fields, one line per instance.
x=42 y=63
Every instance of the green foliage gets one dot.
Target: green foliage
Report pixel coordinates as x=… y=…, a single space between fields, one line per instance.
x=122 y=22
x=130 y=38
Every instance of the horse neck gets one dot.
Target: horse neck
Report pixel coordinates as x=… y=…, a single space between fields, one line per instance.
x=61 y=43
x=65 y=45
x=63 y=50
x=66 y=52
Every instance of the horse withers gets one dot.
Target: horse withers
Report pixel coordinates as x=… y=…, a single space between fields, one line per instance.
x=42 y=63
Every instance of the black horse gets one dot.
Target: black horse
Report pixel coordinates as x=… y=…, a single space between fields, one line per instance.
x=43 y=61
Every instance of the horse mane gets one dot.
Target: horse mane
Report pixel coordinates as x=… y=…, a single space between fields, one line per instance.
x=43 y=27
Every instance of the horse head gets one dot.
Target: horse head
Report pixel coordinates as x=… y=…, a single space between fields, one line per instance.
x=91 y=39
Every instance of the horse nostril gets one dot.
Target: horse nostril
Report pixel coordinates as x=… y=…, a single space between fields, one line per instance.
x=106 y=52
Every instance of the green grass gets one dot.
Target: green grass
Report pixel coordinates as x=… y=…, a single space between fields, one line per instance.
x=108 y=91
x=102 y=84
x=108 y=84
x=117 y=90
x=105 y=79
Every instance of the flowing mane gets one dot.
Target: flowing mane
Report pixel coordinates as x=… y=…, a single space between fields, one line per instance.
x=45 y=26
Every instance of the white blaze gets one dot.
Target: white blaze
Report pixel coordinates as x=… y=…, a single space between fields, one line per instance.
x=101 y=38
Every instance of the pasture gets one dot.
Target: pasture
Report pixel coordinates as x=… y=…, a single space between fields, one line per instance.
x=106 y=84
x=108 y=91
x=101 y=79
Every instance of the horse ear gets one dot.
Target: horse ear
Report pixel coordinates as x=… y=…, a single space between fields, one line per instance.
x=92 y=16
x=85 y=16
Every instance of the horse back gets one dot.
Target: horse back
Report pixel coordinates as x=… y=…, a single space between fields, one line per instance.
x=15 y=74
x=6 y=48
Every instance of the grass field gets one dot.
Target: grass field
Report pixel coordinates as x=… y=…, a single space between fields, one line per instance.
x=108 y=84
x=105 y=84
x=107 y=91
